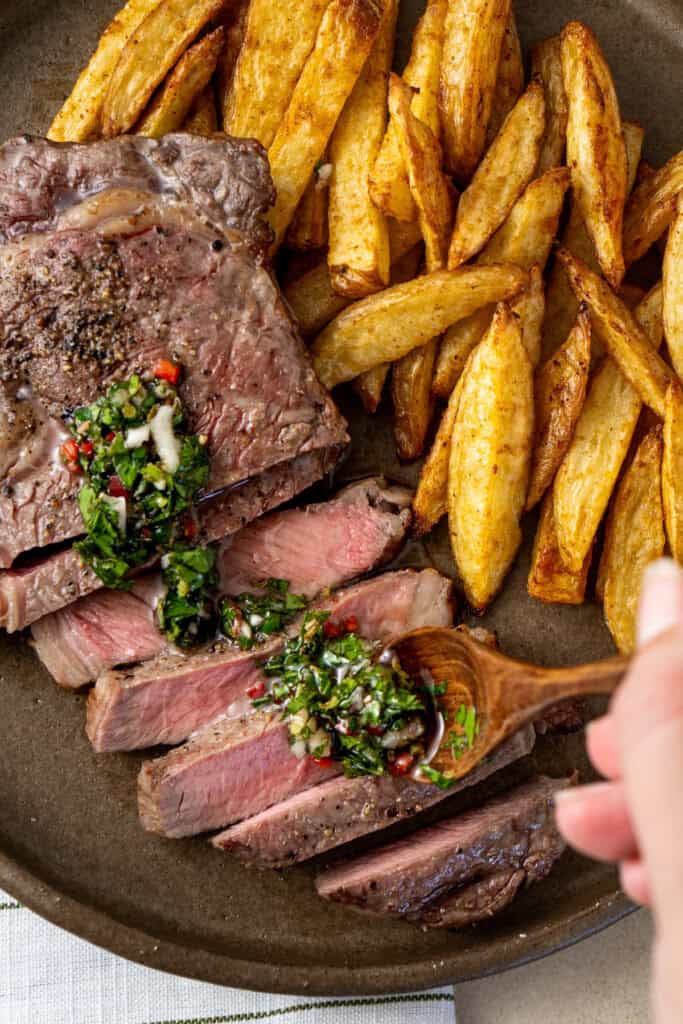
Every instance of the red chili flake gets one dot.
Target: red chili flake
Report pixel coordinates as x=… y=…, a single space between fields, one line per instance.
x=168 y=371
x=256 y=691
x=70 y=450
x=74 y=467
x=87 y=448
x=117 y=490
x=351 y=624
x=190 y=527
x=375 y=730
x=324 y=762
x=402 y=764
x=146 y=533
x=332 y=630
x=111 y=436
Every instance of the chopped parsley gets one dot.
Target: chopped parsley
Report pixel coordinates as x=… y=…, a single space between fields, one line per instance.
x=341 y=704
x=249 y=619
x=464 y=732
x=186 y=613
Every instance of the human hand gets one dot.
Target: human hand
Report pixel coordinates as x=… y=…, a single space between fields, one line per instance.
x=635 y=818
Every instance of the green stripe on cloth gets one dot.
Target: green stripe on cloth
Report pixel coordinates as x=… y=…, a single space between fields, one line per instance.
x=10 y=906
x=323 y=1004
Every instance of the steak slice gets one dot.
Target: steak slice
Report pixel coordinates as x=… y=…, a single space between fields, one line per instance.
x=75 y=653
x=192 y=789
x=341 y=810
x=460 y=870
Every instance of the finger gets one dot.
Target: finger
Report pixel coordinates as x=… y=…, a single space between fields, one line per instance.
x=602 y=743
x=661 y=601
x=595 y=820
x=635 y=882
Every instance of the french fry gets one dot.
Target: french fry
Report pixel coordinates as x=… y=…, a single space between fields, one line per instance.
x=345 y=38
x=202 y=119
x=359 y=254
x=191 y=75
x=672 y=470
x=510 y=80
x=473 y=44
x=385 y=327
x=624 y=337
x=80 y=117
x=370 y=387
x=651 y=209
x=308 y=230
x=489 y=461
x=673 y=291
x=634 y=538
x=430 y=503
x=389 y=188
x=546 y=63
x=234 y=21
x=493 y=192
x=277 y=43
x=155 y=47
x=525 y=239
x=529 y=308
x=560 y=391
x=596 y=154
x=561 y=303
x=411 y=390
x=550 y=580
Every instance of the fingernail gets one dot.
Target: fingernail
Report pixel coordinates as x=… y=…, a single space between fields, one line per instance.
x=661 y=600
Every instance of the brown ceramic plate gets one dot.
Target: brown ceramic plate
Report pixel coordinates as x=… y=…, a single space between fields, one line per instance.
x=70 y=844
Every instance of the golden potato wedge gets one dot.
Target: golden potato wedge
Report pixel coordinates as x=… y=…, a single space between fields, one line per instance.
x=500 y=179
x=430 y=503
x=473 y=44
x=345 y=38
x=411 y=391
x=673 y=290
x=385 y=327
x=234 y=22
x=370 y=387
x=490 y=457
x=596 y=154
x=308 y=229
x=546 y=64
x=389 y=188
x=152 y=50
x=634 y=538
x=651 y=209
x=550 y=579
x=510 y=81
x=672 y=470
x=277 y=43
x=202 y=119
x=191 y=75
x=622 y=334
x=529 y=307
x=560 y=391
x=359 y=255
x=80 y=117
x=525 y=239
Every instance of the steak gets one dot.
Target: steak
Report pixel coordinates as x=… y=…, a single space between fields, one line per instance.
x=154 y=261
x=192 y=789
x=344 y=809
x=74 y=652
x=462 y=869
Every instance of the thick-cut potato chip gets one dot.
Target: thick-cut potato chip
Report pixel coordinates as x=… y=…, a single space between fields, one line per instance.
x=472 y=49
x=386 y=326
x=155 y=46
x=388 y=179
x=500 y=179
x=308 y=230
x=550 y=579
x=510 y=81
x=430 y=503
x=359 y=255
x=490 y=457
x=596 y=154
x=234 y=22
x=560 y=392
x=345 y=39
x=529 y=307
x=80 y=118
x=625 y=338
x=672 y=470
x=202 y=119
x=673 y=290
x=277 y=44
x=651 y=209
x=546 y=63
x=634 y=538
x=191 y=75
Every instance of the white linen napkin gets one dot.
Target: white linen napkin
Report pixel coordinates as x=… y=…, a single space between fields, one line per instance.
x=49 y=977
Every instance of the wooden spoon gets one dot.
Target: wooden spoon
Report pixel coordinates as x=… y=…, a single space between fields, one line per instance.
x=506 y=694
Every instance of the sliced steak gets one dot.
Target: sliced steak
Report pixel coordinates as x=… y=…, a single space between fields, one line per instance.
x=460 y=870
x=341 y=810
x=56 y=581
x=192 y=788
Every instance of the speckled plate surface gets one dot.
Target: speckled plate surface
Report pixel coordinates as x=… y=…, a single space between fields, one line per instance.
x=70 y=844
